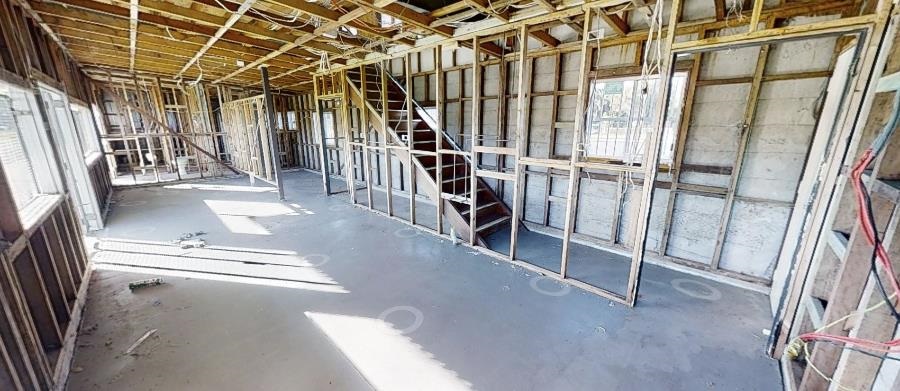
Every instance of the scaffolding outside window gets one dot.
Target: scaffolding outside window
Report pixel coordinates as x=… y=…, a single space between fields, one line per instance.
x=23 y=147
x=621 y=116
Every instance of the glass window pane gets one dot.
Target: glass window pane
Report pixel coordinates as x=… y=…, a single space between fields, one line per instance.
x=13 y=154
x=621 y=113
x=84 y=126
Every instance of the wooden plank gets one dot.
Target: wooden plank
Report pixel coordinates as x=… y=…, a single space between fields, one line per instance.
x=587 y=52
x=306 y=39
x=856 y=370
x=132 y=33
x=389 y=172
x=678 y=158
x=226 y=25
x=477 y=79
x=33 y=287
x=846 y=294
x=754 y=17
x=834 y=26
x=746 y=131
x=411 y=169
x=522 y=101
x=440 y=91
x=272 y=130
x=651 y=162
x=615 y=22
x=52 y=282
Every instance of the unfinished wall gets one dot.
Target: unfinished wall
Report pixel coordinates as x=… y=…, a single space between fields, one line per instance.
x=726 y=188
x=760 y=197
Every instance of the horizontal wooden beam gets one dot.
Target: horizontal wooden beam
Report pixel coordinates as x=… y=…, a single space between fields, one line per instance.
x=160 y=45
x=111 y=26
x=616 y=23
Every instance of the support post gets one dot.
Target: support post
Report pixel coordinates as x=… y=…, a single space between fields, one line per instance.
x=439 y=137
x=574 y=170
x=476 y=134
x=521 y=106
x=326 y=180
x=270 y=121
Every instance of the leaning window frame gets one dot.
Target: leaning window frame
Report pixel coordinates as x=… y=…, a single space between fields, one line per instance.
x=36 y=142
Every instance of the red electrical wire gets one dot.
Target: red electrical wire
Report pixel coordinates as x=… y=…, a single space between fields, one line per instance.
x=865 y=220
x=892 y=346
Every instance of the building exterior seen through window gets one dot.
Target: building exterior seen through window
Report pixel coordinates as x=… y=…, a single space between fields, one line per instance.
x=621 y=115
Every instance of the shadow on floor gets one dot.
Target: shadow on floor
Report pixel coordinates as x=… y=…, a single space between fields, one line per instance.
x=403 y=309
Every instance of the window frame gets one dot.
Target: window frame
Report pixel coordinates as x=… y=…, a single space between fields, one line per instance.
x=669 y=138
x=35 y=142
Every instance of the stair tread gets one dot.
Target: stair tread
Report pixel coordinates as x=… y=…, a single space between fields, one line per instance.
x=480 y=208
x=493 y=223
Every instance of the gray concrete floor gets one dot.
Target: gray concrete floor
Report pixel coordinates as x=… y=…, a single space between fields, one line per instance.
x=315 y=294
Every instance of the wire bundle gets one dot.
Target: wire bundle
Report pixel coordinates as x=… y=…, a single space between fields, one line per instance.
x=867 y=224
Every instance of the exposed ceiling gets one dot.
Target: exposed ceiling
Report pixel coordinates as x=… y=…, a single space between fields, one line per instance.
x=225 y=41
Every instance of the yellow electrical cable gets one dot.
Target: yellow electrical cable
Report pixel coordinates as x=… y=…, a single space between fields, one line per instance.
x=791 y=350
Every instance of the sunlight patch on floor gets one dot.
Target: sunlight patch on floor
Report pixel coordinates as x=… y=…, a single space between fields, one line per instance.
x=239 y=216
x=387 y=359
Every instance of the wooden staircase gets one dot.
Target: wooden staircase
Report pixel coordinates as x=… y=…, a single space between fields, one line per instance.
x=491 y=213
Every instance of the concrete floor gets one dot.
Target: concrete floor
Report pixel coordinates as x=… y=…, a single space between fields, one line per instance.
x=315 y=294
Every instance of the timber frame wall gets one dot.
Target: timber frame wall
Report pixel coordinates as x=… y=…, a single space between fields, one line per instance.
x=554 y=167
x=44 y=270
x=855 y=27
x=215 y=119
x=490 y=113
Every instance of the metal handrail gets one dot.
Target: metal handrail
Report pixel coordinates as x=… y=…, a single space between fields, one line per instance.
x=425 y=113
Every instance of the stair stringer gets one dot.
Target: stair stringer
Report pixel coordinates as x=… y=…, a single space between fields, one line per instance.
x=459 y=223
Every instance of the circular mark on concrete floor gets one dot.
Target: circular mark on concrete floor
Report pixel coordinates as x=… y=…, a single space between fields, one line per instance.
x=338 y=207
x=132 y=203
x=562 y=290
x=416 y=313
x=697 y=289
x=316 y=260
x=406 y=233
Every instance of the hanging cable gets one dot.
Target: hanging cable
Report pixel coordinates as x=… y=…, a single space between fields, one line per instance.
x=867 y=227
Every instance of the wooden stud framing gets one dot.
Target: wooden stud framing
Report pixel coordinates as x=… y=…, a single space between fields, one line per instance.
x=441 y=85
x=746 y=131
x=386 y=145
x=574 y=171
x=477 y=77
x=521 y=140
x=410 y=145
x=272 y=130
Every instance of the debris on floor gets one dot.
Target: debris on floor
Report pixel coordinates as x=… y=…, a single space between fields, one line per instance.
x=144 y=283
x=89 y=330
x=140 y=341
x=189 y=235
x=190 y=240
x=195 y=243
